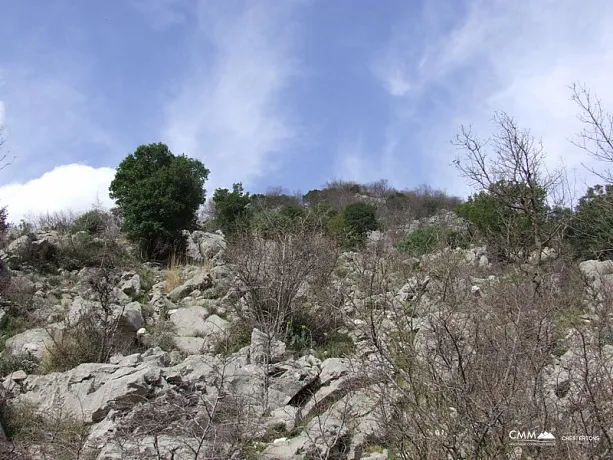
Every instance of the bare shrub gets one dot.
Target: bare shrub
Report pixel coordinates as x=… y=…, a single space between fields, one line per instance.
x=202 y=418
x=97 y=332
x=61 y=221
x=459 y=369
x=272 y=272
x=49 y=436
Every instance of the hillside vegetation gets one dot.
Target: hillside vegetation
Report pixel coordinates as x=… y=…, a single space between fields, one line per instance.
x=354 y=321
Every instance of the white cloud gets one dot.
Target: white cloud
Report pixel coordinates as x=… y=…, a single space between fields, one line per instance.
x=73 y=187
x=518 y=57
x=228 y=111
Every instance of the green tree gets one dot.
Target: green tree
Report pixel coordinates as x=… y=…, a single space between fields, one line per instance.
x=499 y=215
x=359 y=219
x=591 y=229
x=232 y=211
x=158 y=195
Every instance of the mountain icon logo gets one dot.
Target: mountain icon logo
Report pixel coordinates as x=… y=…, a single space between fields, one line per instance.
x=546 y=436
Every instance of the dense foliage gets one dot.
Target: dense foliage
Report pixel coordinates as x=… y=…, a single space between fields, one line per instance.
x=501 y=216
x=591 y=230
x=428 y=239
x=232 y=211
x=158 y=194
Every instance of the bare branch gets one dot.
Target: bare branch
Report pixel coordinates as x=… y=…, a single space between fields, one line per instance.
x=596 y=138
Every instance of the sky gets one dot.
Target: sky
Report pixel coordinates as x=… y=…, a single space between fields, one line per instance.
x=288 y=93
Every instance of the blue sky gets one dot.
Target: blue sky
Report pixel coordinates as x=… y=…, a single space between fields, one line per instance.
x=285 y=93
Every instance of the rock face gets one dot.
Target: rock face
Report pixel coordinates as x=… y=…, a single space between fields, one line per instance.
x=204 y=246
x=200 y=281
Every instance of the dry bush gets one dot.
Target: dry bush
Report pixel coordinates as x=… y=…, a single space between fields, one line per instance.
x=50 y=436
x=272 y=273
x=60 y=221
x=459 y=369
x=203 y=419
x=96 y=334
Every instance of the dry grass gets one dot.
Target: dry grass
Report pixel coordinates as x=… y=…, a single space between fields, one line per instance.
x=173 y=277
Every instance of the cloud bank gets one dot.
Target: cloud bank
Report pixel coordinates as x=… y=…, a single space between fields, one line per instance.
x=73 y=187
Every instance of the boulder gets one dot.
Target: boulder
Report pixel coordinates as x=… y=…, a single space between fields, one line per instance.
x=201 y=281
x=130 y=284
x=262 y=349
x=133 y=316
x=33 y=342
x=196 y=322
x=21 y=246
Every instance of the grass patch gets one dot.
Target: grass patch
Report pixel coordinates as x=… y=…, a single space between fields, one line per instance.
x=16 y=363
x=337 y=345
x=235 y=338
x=172 y=276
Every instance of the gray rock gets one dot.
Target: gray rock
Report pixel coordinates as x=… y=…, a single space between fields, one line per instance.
x=202 y=280
x=133 y=316
x=21 y=246
x=190 y=345
x=91 y=390
x=593 y=269
x=196 y=322
x=202 y=245
x=33 y=342
x=263 y=349
x=130 y=284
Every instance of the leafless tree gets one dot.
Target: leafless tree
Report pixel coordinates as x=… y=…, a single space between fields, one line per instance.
x=4 y=160
x=596 y=138
x=511 y=166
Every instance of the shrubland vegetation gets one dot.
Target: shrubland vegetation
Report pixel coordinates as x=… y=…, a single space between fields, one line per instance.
x=456 y=353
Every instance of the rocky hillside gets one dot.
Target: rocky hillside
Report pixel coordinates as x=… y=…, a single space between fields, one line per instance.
x=289 y=349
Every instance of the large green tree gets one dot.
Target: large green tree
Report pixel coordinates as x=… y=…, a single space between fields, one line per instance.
x=232 y=211
x=158 y=194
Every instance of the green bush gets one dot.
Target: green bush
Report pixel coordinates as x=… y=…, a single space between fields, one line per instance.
x=497 y=216
x=158 y=194
x=591 y=229
x=232 y=212
x=360 y=218
x=428 y=239
x=93 y=222
x=16 y=363
x=336 y=345
x=235 y=338
x=267 y=223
